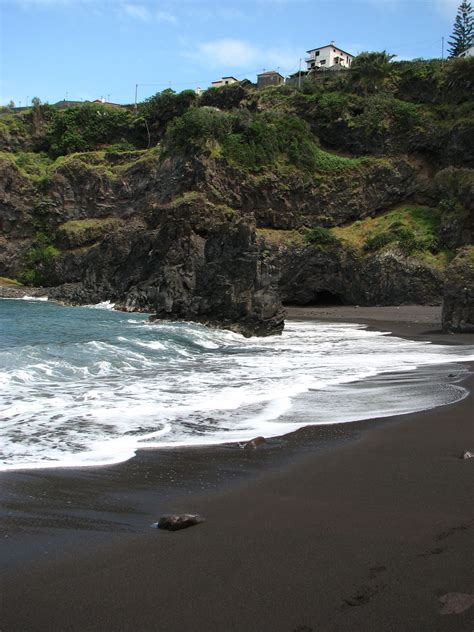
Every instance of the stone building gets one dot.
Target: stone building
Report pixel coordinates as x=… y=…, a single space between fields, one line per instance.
x=269 y=78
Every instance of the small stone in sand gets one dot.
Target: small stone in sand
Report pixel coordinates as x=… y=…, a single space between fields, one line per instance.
x=467 y=455
x=455 y=603
x=255 y=443
x=176 y=522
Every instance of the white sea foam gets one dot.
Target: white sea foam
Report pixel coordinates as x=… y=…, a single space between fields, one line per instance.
x=102 y=305
x=90 y=389
x=34 y=298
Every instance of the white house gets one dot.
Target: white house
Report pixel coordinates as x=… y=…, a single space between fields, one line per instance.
x=328 y=57
x=469 y=52
x=225 y=81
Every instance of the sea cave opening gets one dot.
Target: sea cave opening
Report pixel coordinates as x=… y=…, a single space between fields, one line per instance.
x=322 y=298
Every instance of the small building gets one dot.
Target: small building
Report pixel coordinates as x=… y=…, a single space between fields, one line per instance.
x=469 y=52
x=225 y=81
x=297 y=78
x=246 y=83
x=269 y=78
x=328 y=57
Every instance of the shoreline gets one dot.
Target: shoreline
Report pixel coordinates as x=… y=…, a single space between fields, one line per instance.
x=311 y=514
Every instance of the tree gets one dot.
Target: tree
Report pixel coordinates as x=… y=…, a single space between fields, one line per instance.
x=11 y=104
x=163 y=107
x=370 y=70
x=36 y=102
x=463 y=30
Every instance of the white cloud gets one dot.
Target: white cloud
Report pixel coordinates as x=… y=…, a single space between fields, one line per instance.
x=165 y=16
x=137 y=11
x=234 y=53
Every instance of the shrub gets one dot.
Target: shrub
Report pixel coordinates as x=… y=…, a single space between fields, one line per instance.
x=40 y=260
x=225 y=98
x=378 y=241
x=162 y=108
x=91 y=126
x=321 y=237
x=197 y=129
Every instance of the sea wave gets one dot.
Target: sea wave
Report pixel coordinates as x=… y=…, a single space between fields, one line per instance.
x=34 y=298
x=89 y=387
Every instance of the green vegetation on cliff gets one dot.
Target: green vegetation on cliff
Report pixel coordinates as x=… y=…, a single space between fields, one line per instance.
x=379 y=107
x=252 y=142
x=39 y=261
x=413 y=230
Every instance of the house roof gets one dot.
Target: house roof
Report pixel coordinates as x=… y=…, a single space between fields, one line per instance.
x=222 y=79
x=268 y=73
x=331 y=46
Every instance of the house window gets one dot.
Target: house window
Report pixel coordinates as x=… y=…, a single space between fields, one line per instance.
x=322 y=62
x=317 y=53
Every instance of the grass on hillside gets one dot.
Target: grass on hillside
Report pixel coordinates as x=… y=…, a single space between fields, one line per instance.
x=8 y=281
x=281 y=237
x=91 y=226
x=32 y=165
x=412 y=229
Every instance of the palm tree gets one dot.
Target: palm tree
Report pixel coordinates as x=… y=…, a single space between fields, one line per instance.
x=369 y=70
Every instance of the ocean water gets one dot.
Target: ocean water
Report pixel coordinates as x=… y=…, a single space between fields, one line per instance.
x=89 y=386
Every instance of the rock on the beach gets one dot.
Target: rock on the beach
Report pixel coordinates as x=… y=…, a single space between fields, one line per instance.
x=467 y=455
x=172 y=522
x=255 y=443
x=455 y=603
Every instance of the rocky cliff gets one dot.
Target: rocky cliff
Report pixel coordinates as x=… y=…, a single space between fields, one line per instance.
x=239 y=209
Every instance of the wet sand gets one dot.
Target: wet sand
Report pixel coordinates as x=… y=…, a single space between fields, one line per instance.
x=359 y=527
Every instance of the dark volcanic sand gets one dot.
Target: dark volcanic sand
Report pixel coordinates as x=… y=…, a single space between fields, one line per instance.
x=359 y=527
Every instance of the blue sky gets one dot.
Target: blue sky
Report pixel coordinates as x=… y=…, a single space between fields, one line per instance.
x=87 y=49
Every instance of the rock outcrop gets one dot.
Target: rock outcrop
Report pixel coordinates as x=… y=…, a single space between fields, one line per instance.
x=312 y=276
x=458 y=303
x=191 y=260
x=177 y=237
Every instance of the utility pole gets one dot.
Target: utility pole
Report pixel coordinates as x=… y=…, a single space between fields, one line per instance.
x=136 y=94
x=442 y=48
x=299 y=76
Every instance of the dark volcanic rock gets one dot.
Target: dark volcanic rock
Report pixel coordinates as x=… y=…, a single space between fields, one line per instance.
x=334 y=275
x=176 y=522
x=255 y=443
x=458 y=304
x=192 y=261
x=295 y=200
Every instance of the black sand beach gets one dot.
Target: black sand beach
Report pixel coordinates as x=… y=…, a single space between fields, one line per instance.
x=360 y=527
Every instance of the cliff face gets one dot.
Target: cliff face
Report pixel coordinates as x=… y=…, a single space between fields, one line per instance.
x=177 y=237
x=458 y=305
x=295 y=199
x=190 y=260
x=310 y=276
x=121 y=240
